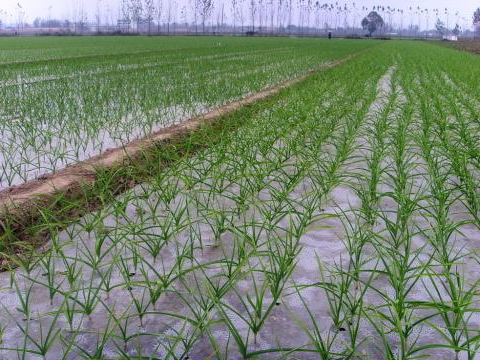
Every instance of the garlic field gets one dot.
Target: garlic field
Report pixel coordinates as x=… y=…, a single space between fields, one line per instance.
x=67 y=103
x=336 y=219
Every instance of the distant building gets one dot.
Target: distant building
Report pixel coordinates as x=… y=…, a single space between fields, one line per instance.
x=450 y=37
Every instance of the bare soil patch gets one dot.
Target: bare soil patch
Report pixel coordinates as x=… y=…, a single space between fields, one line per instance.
x=472 y=46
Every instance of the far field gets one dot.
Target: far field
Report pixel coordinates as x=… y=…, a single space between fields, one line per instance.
x=336 y=219
x=472 y=46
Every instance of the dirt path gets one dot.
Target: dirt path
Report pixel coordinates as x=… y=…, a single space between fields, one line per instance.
x=22 y=200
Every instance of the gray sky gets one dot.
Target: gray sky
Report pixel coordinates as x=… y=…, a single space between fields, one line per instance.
x=67 y=8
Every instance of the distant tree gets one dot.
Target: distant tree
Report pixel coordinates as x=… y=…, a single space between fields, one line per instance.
x=234 y=4
x=476 y=21
x=260 y=14
x=205 y=12
x=149 y=13
x=169 y=16
x=290 y=10
x=440 y=26
x=456 y=30
x=98 y=16
x=220 y=17
x=241 y=15
x=280 y=9
x=183 y=16
x=82 y=19
x=51 y=23
x=159 y=14
x=196 y=6
x=476 y=17
x=2 y=13
x=272 y=14
x=174 y=15
x=125 y=9
x=372 y=22
x=253 y=13
x=136 y=11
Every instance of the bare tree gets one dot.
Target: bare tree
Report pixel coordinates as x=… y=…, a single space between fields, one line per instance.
x=401 y=21
x=206 y=12
x=82 y=18
x=159 y=13
x=279 y=14
x=234 y=13
x=447 y=14
x=241 y=16
x=149 y=13
x=196 y=6
x=175 y=11
x=169 y=16
x=290 y=10
x=98 y=16
x=20 y=18
x=427 y=18
x=136 y=11
x=300 y=14
x=220 y=17
x=125 y=9
x=260 y=14
x=272 y=14
x=253 y=13
x=108 y=16
x=183 y=16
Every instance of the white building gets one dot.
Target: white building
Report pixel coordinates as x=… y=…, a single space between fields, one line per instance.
x=450 y=37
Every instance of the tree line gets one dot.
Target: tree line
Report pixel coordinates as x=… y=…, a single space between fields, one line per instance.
x=258 y=16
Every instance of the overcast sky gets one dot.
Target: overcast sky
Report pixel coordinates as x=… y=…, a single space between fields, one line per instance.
x=66 y=8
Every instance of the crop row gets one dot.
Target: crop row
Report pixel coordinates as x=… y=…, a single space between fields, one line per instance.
x=57 y=112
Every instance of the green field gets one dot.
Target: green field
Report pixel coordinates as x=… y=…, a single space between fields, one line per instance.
x=66 y=99
x=337 y=219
